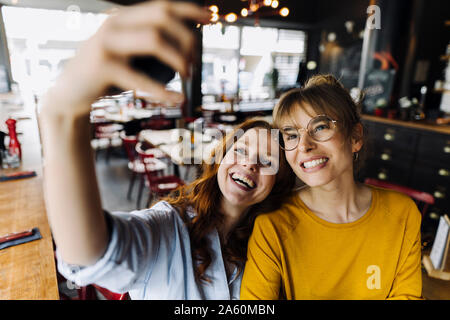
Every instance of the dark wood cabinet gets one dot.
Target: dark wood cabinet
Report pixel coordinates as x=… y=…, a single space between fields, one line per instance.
x=412 y=155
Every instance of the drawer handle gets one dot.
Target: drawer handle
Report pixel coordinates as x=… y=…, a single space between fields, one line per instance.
x=439 y=195
x=389 y=137
x=385 y=157
x=382 y=176
x=444 y=172
x=447 y=149
x=434 y=216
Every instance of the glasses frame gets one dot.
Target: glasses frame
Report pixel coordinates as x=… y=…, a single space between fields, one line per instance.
x=307 y=130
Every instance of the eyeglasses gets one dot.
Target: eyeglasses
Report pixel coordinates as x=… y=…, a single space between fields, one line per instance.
x=320 y=128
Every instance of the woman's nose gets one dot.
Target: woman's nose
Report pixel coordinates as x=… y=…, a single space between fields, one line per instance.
x=251 y=165
x=251 y=162
x=306 y=143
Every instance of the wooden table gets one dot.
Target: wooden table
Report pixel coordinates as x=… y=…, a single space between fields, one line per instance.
x=181 y=153
x=27 y=271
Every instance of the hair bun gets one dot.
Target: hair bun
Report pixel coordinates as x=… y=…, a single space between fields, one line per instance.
x=322 y=79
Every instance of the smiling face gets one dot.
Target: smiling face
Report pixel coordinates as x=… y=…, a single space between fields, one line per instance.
x=319 y=163
x=244 y=174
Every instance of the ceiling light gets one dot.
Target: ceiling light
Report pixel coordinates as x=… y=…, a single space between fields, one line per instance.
x=214 y=9
x=231 y=17
x=214 y=17
x=284 y=12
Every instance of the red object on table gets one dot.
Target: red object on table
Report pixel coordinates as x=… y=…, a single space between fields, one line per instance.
x=379 y=112
x=15 y=236
x=14 y=145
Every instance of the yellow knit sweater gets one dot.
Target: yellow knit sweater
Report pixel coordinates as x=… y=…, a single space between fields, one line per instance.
x=293 y=254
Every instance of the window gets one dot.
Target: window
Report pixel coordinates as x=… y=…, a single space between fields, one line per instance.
x=40 y=41
x=249 y=62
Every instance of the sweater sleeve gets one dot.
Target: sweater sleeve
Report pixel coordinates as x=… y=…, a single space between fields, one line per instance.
x=407 y=284
x=262 y=274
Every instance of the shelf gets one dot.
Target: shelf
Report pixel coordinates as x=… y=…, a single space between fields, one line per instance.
x=433 y=273
x=441 y=90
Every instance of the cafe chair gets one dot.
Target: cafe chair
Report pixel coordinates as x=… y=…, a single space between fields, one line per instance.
x=159 y=185
x=422 y=199
x=108 y=295
x=95 y=292
x=158 y=124
x=106 y=137
x=135 y=164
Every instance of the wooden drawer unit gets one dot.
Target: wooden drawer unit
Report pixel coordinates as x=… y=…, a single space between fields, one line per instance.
x=434 y=180
x=410 y=154
x=394 y=138
x=434 y=148
x=394 y=171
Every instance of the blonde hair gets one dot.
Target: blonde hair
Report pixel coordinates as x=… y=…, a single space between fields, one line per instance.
x=324 y=94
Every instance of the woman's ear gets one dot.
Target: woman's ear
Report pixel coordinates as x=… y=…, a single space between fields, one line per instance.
x=357 y=137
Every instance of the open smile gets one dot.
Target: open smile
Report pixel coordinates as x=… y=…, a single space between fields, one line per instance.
x=243 y=181
x=315 y=164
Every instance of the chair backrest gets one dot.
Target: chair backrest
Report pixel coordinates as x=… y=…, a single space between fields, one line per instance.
x=129 y=144
x=158 y=124
x=417 y=195
x=140 y=150
x=111 y=295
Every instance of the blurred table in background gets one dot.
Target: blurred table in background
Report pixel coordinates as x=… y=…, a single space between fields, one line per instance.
x=176 y=144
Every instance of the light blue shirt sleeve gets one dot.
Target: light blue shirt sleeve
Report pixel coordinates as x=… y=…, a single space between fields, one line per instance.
x=133 y=249
x=149 y=256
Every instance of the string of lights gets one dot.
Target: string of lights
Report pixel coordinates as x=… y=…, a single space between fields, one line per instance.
x=253 y=9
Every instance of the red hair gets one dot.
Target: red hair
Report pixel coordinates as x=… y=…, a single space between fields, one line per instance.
x=204 y=196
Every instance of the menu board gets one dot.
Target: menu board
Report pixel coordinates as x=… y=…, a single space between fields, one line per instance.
x=377 y=88
x=439 y=253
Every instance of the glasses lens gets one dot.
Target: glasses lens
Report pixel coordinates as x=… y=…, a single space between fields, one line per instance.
x=289 y=139
x=321 y=128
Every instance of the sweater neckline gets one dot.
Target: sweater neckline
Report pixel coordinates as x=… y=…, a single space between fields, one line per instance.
x=334 y=225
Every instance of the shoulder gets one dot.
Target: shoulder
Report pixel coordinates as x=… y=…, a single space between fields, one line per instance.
x=161 y=213
x=394 y=201
x=282 y=220
x=399 y=208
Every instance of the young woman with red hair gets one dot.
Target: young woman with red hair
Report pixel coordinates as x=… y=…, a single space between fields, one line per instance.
x=193 y=244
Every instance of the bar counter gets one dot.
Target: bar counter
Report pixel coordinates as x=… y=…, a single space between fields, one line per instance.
x=27 y=271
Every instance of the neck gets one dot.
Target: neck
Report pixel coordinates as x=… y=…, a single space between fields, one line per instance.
x=232 y=215
x=342 y=201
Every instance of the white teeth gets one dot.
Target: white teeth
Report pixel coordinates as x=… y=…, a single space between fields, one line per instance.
x=246 y=182
x=313 y=163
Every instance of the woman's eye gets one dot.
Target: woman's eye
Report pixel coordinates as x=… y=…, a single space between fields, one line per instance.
x=291 y=136
x=266 y=162
x=320 y=128
x=240 y=151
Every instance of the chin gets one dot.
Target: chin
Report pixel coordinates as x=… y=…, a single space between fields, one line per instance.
x=316 y=181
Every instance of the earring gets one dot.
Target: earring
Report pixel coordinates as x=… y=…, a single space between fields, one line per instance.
x=355 y=156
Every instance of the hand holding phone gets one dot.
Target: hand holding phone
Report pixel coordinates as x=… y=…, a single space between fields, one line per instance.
x=153 y=67
x=138 y=48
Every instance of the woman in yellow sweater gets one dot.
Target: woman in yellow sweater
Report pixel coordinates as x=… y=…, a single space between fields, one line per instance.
x=334 y=238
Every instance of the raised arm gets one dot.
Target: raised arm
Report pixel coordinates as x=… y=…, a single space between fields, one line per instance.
x=72 y=196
